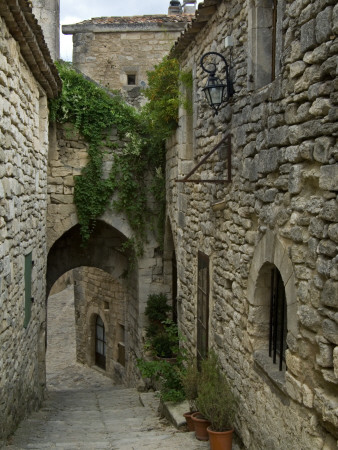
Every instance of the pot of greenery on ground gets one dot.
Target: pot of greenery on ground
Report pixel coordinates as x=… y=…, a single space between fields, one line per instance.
x=217 y=403
x=189 y=378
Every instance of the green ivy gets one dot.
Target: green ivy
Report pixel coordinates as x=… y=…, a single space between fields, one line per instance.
x=94 y=112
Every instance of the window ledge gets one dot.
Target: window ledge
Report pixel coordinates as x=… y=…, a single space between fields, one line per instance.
x=264 y=364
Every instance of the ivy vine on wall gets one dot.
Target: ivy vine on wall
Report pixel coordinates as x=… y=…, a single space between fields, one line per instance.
x=137 y=172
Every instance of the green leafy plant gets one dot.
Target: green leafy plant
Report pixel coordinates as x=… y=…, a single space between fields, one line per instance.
x=138 y=167
x=215 y=400
x=190 y=376
x=161 y=333
x=168 y=375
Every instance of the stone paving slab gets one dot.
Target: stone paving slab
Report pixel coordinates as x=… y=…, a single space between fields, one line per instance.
x=84 y=410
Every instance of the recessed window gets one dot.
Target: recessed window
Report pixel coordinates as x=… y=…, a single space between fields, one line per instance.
x=278 y=319
x=100 y=343
x=131 y=79
x=202 y=306
x=265 y=42
x=28 y=288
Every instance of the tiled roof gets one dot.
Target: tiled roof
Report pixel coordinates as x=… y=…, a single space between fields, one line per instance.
x=25 y=29
x=204 y=12
x=151 y=19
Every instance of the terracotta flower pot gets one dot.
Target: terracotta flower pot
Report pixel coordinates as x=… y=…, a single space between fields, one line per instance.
x=201 y=426
x=220 y=440
x=190 y=422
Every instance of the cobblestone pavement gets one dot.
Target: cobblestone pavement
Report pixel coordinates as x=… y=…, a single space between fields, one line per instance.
x=84 y=410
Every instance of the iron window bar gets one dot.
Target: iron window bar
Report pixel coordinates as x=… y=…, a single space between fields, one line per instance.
x=187 y=179
x=203 y=284
x=277 y=326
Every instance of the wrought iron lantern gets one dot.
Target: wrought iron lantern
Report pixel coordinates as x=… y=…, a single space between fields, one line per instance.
x=215 y=90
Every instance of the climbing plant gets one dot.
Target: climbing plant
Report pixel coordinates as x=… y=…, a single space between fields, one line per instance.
x=138 y=163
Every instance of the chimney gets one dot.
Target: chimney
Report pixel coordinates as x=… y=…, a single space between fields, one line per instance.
x=189 y=7
x=174 y=8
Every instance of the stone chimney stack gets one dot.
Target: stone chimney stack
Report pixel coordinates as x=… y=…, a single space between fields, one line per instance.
x=174 y=7
x=47 y=13
x=189 y=7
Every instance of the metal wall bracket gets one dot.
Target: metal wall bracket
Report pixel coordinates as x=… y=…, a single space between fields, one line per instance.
x=186 y=179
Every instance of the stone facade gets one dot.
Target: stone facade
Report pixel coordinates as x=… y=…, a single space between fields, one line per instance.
x=99 y=294
x=278 y=211
x=24 y=89
x=117 y=52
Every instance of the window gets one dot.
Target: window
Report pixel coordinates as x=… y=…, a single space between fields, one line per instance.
x=202 y=306
x=265 y=42
x=28 y=288
x=100 y=343
x=131 y=79
x=278 y=319
x=121 y=357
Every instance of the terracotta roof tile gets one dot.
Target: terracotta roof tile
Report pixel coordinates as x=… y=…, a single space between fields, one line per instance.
x=158 y=19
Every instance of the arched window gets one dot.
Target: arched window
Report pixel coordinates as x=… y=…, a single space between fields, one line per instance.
x=100 y=343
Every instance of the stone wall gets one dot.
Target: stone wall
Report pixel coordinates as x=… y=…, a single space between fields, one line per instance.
x=280 y=209
x=23 y=201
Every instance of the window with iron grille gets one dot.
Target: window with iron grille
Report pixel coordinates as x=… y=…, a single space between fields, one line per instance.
x=28 y=288
x=278 y=319
x=202 y=306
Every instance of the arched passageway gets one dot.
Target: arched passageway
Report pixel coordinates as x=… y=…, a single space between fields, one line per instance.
x=104 y=250
x=101 y=291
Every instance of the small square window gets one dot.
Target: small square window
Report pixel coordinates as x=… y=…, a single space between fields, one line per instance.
x=131 y=80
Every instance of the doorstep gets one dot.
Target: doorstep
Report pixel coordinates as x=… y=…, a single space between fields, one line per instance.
x=174 y=412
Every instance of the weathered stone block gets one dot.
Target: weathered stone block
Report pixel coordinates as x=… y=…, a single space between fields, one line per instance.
x=320 y=107
x=297 y=68
x=330 y=211
x=332 y=232
x=329 y=177
x=323 y=25
x=335 y=19
x=335 y=361
x=267 y=160
x=330 y=330
x=325 y=357
x=308 y=36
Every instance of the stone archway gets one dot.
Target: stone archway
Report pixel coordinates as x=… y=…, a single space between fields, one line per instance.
x=104 y=251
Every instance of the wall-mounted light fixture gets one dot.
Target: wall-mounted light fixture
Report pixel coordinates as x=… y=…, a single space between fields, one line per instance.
x=215 y=91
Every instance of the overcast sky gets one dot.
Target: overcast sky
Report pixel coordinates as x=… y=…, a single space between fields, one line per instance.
x=75 y=11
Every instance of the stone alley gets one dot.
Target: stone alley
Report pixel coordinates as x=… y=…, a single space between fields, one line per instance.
x=83 y=409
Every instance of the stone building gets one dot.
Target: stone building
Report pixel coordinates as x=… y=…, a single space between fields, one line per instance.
x=252 y=215
x=117 y=52
x=28 y=79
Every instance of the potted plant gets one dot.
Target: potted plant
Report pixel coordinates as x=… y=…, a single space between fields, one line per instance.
x=217 y=403
x=189 y=377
